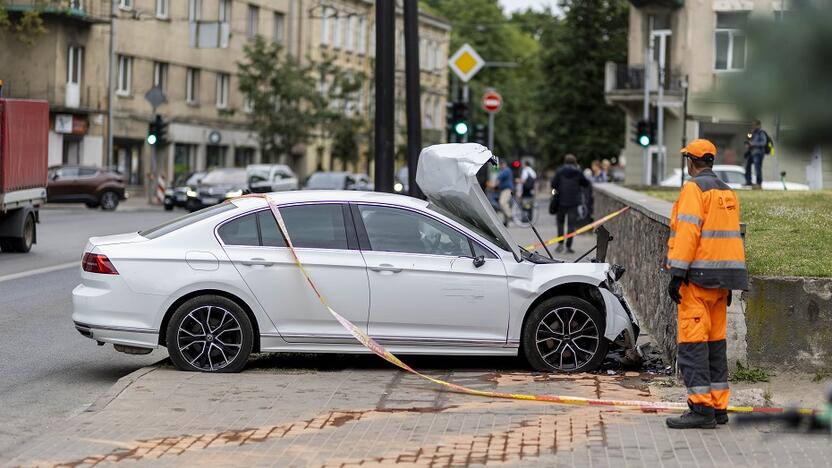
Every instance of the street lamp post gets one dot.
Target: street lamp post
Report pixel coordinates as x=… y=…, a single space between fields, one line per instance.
x=413 y=90
x=385 y=76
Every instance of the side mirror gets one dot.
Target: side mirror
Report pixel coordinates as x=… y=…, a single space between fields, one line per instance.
x=55 y=176
x=479 y=261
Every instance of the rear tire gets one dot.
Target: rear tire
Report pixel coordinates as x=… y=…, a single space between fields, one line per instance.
x=168 y=207
x=23 y=244
x=209 y=334
x=565 y=334
x=108 y=200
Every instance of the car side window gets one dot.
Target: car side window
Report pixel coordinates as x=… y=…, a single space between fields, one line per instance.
x=241 y=231
x=731 y=177
x=396 y=230
x=87 y=171
x=67 y=172
x=309 y=226
x=480 y=250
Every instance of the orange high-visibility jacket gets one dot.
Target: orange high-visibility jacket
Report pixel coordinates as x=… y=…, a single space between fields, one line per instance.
x=705 y=244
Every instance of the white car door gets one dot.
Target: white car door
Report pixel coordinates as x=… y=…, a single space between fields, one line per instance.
x=328 y=252
x=424 y=285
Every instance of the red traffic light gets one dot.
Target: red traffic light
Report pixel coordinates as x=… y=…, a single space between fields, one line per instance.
x=516 y=164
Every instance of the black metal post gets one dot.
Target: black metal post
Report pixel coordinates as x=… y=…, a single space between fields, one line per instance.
x=385 y=87
x=413 y=89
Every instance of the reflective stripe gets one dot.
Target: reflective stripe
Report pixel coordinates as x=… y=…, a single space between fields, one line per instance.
x=678 y=264
x=721 y=235
x=716 y=264
x=719 y=385
x=701 y=390
x=689 y=219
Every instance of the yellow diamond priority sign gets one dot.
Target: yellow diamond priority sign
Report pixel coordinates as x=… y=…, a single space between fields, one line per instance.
x=466 y=62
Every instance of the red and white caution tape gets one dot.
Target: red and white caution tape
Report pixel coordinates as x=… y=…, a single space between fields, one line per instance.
x=379 y=350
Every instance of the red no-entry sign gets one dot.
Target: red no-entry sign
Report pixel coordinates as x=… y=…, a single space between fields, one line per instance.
x=492 y=101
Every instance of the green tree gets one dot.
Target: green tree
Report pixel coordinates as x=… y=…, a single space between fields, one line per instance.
x=283 y=99
x=27 y=24
x=574 y=117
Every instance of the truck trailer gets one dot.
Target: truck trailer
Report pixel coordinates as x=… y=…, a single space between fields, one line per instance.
x=24 y=128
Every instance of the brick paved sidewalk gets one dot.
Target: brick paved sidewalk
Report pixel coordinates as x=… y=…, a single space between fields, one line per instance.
x=284 y=412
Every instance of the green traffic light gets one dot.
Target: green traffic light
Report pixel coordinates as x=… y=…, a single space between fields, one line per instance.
x=151 y=139
x=461 y=128
x=644 y=140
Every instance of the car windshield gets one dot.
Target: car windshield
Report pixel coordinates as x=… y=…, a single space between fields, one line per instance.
x=195 y=178
x=329 y=180
x=225 y=176
x=179 y=223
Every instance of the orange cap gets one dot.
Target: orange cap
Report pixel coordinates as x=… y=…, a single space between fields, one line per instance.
x=699 y=148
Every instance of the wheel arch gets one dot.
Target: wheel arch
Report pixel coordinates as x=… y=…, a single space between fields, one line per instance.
x=211 y=292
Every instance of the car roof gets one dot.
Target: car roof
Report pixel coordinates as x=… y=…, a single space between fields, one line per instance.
x=267 y=166
x=301 y=196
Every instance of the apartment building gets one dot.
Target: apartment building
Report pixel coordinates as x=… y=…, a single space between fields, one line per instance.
x=190 y=49
x=704 y=43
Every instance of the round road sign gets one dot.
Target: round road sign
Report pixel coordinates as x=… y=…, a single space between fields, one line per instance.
x=492 y=101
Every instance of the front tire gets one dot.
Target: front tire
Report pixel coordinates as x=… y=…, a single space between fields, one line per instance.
x=108 y=200
x=209 y=334
x=565 y=334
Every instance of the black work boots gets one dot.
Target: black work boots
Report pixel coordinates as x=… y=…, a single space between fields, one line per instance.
x=691 y=420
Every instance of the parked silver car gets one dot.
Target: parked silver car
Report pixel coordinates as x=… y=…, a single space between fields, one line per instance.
x=265 y=178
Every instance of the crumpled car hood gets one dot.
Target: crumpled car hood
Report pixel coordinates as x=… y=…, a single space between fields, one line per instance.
x=447 y=175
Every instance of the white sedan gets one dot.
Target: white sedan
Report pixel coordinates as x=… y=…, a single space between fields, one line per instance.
x=734 y=176
x=442 y=277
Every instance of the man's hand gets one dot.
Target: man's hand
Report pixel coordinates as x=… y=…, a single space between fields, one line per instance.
x=673 y=289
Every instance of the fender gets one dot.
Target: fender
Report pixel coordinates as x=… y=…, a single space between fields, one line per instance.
x=11 y=222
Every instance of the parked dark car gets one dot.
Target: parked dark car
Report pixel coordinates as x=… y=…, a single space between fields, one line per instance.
x=177 y=196
x=92 y=186
x=217 y=186
x=338 y=181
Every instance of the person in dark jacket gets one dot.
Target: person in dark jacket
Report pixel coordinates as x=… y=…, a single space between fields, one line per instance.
x=569 y=183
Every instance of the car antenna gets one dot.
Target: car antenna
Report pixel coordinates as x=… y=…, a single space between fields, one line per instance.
x=541 y=240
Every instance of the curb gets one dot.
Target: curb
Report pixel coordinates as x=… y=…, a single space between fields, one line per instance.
x=121 y=385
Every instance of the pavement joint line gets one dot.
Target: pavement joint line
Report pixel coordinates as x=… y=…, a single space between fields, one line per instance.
x=120 y=386
x=39 y=271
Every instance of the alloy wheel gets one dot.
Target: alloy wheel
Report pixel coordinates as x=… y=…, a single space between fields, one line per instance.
x=567 y=338
x=109 y=201
x=209 y=338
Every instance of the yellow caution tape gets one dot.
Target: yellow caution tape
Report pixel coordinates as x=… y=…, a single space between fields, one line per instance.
x=579 y=231
x=379 y=350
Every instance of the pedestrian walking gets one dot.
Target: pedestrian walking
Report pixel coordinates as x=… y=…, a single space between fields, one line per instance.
x=568 y=184
x=706 y=260
x=528 y=179
x=756 y=147
x=594 y=172
x=505 y=189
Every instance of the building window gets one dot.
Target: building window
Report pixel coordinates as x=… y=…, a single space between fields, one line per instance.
x=336 y=29
x=253 y=19
x=162 y=8
x=362 y=36
x=223 y=80
x=160 y=75
x=324 y=26
x=349 y=40
x=76 y=5
x=248 y=105
x=192 y=86
x=74 y=65
x=225 y=11
x=125 y=75
x=279 y=29
x=194 y=10
x=729 y=41
x=125 y=4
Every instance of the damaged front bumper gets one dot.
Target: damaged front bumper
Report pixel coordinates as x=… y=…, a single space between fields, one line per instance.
x=622 y=327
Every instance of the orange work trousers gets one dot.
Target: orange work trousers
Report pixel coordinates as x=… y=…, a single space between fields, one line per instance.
x=702 y=354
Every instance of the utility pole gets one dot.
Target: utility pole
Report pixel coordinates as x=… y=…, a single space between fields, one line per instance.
x=685 y=85
x=648 y=58
x=110 y=80
x=662 y=35
x=385 y=84
x=413 y=91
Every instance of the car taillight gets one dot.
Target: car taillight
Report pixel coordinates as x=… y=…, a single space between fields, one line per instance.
x=97 y=263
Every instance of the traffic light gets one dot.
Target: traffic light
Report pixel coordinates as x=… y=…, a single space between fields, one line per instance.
x=156 y=131
x=460 y=120
x=480 y=135
x=644 y=133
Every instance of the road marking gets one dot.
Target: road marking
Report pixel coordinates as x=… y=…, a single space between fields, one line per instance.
x=39 y=271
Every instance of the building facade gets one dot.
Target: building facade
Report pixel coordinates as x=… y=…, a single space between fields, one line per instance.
x=189 y=49
x=703 y=43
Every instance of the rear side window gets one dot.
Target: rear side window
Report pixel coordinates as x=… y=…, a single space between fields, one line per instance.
x=186 y=220
x=309 y=226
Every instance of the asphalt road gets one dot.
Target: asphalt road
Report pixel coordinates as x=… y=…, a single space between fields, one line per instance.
x=48 y=371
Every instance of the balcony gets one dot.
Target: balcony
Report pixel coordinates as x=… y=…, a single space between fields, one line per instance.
x=84 y=11
x=658 y=3
x=624 y=84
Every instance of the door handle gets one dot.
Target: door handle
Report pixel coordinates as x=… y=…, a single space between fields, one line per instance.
x=257 y=261
x=386 y=267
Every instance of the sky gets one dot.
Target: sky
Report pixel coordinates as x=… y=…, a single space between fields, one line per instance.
x=514 y=5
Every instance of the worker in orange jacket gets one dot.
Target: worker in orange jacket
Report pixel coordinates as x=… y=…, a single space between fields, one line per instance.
x=706 y=260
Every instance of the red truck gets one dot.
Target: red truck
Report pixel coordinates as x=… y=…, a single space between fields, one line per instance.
x=24 y=129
